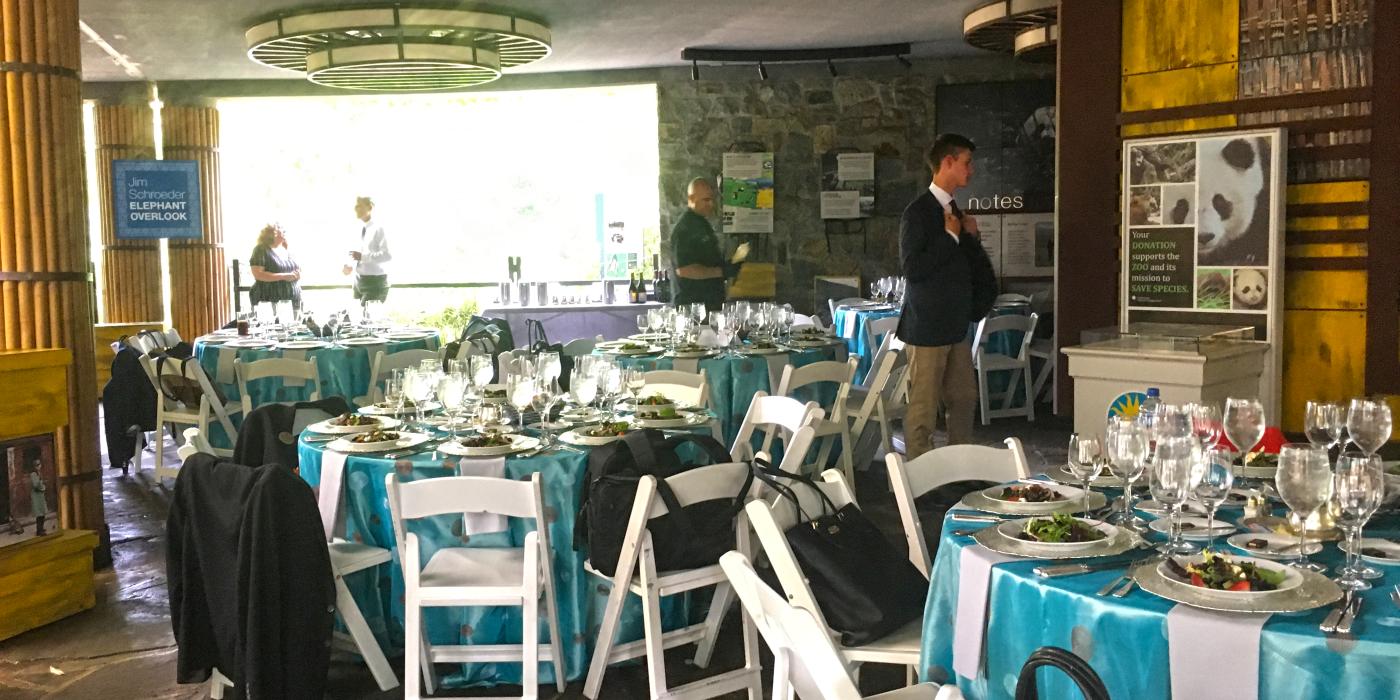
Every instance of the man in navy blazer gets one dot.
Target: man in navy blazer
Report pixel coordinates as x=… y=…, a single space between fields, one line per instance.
x=949 y=283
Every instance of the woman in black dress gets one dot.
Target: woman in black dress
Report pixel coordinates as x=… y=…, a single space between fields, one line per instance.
x=275 y=273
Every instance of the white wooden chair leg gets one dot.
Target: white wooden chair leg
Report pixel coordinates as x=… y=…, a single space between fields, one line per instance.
x=217 y=683
x=651 y=623
x=719 y=605
x=909 y=678
x=530 y=636
x=412 y=649
x=982 y=397
x=556 y=645
x=752 y=660
x=607 y=635
x=1030 y=395
x=847 y=460
x=364 y=639
x=425 y=659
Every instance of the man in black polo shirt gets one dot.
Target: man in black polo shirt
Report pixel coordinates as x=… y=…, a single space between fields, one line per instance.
x=700 y=268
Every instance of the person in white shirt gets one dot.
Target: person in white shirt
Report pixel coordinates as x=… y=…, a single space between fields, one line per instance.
x=371 y=277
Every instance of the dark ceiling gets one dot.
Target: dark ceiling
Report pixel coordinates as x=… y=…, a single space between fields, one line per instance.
x=203 y=39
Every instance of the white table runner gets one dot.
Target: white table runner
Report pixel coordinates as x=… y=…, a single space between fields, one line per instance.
x=970 y=622
x=479 y=523
x=1214 y=654
x=330 y=494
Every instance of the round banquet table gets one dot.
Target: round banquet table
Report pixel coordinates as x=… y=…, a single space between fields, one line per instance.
x=850 y=324
x=734 y=379
x=1125 y=639
x=581 y=597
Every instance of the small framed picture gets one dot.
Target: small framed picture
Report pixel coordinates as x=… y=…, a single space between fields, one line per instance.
x=29 y=501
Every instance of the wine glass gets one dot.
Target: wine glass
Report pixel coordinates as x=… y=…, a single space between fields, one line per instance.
x=610 y=387
x=1206 y=425
x=635 y=380
x=697 y=313
x=546 y=394
x=1169 y=480
x=1085 y=462
x=1216 y=476
x=1323 y=423
x=548 y=366
x=1128 y=447
x=1358 y=488
x=451 y=387
x=1304 y=483
x=1368 y=424
x=583 y=387
x=421 y=384
x=644 y=322
x=1244 y=424
x=521 y=388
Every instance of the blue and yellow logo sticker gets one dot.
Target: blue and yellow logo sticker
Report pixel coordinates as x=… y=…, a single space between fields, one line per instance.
x=1126 y=405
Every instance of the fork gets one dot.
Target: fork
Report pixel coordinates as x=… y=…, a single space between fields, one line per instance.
x=1115 y=583
x=1395 y=595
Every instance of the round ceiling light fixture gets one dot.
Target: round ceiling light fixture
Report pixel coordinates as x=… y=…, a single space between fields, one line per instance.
x=1010 y=26
x=397 y=47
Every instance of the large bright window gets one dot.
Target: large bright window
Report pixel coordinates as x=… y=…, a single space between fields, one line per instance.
x=459 y=182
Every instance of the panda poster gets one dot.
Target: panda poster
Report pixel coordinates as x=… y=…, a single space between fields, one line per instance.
x=746 y=192
x=1201 y=222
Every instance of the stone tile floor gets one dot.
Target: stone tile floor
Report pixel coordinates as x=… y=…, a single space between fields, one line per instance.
x=123 y=647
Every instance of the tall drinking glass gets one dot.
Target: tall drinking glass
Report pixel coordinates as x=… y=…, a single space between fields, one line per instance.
x=1358 y=487
x=1368 y=424
x=1169 y=480
x=583 y=387
x=1085 y=461
x=521 y=388
x=1206 y=425
x=1217 y=475
x=1128 y=445
x=1244 y=424
x=1304 y=483
x=1323 y=423
x=451 y=388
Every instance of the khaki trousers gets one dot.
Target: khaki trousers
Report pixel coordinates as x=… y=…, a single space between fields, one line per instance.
x=939 y=375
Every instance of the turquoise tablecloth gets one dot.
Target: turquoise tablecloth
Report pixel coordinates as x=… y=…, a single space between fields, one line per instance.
x=734 y=379
x=856 y=341
x=344 y=369
x=379 y=591
x=1125 y=640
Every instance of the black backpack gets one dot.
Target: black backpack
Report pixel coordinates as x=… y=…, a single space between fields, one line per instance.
x=685 y=538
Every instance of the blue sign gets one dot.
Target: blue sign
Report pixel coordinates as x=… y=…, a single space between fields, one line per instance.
x=156 y=199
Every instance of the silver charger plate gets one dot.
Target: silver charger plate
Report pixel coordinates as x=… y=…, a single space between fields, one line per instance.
x=976 y=500
x=991 y=539
x=1062 y=475
x=1316 y=591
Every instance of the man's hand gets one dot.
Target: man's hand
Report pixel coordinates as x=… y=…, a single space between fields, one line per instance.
x=741 y=253
x=951 y=223
x=969 y=224
x=355 y=254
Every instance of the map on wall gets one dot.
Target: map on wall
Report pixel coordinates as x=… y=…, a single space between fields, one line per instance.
x=746 y=193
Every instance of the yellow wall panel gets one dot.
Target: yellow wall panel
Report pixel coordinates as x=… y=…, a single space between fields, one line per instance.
x=1180 y=87
x=1324 y=357
x=1328 y=223
x=1209 y=33
x=1329 y=192
x=1325 y=250
x=1325 y=290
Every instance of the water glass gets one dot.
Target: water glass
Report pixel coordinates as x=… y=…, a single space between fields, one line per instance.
x=1358 y=487
x=1086 y=461
x=1127 y=451
x=520 y=390
x=1323 y=423
x=1169 y=481
x=1215 y=475
x=1304 y=483
x=451 y=388
x=583 y=386
x=643 y=323
x=1206 y=425
x=1368 y=424
x=1244 y=424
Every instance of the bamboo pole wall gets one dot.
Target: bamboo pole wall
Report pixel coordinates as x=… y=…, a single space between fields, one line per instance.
x=199 y=276
x=130 y=268
x=44 y=294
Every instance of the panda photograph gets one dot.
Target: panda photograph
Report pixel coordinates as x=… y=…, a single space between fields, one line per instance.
x=1233 y=201
x=1250 y=290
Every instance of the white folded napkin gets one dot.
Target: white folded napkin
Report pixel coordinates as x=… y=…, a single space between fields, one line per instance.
x=329 y=494
x=848 y=329
x=708 y=338
x=478 y=523
x=1214 y=654
x=223 y=365
x=686 y=364
x=970 y=624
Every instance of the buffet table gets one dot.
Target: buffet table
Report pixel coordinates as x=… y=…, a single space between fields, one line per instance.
x=1125 y=639
x=565 y=322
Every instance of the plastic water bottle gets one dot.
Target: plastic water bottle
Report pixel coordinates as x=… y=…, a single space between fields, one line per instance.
x=1147 y=418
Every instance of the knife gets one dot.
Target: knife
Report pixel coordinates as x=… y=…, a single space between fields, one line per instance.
x=1073 y=569
x=1329 y=624
x=1349 y=617
x=976 y=518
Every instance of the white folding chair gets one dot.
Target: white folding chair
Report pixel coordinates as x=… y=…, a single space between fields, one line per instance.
x=985 y=361
x=805 y=660
x=691 y=388
x=172 y=411
x=384 y=364
x=774 y=416
x=945 y=465
x=878 y=404
x=772 y=517
x=1044 y=350
x=833 y=426
x=580 y=346
x=878 y=331
x=476 y=576
x=275 y=368
x=636 y=574
x=834 y=304
x=504 y=362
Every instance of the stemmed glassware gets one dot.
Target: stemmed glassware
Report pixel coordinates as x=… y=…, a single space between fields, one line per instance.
x=583 y=386
x=635 y=380
x=521 y=388
x=644 y=323
x=1086 y=461
x=1368 y=424
x=1323 y=423
x=421 y=385
x=1127 y=450
x=1358 y=487
x=1170 y=483
x=1244 y=424
x=1304 y=483
x=1215 y=475
x=610 y=388
x=547 y=393
x=1206 y=425
x=451 y=388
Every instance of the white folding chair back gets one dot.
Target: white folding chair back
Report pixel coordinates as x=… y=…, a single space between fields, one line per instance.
x=691 y=388
x=276 y=368
x=834 y=304
x=580 y=346
x=475 y=576
x=170 y=411
x=945 y=465
x=774 y=416
x=878 y=329
x=1043 y=349
x=833 y=426
x=505 y=362
x=805 y=660
x=636 y=574
x=875 y=407
x=384 y=364
x=773 y=516
x=1019 y=365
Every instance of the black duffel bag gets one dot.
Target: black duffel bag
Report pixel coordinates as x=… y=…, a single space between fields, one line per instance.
x=865 y=587
x=539 y=342
x=684 y=538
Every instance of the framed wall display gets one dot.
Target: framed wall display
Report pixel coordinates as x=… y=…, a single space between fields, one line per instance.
x=156 y=199
x=746 y=192
x=848 y=185
x=29 y=502
x=1202 y=234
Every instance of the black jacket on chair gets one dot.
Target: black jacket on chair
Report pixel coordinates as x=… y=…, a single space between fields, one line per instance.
x=128 y=406
x=269 y=434
x=948 y=284
x=251 y=588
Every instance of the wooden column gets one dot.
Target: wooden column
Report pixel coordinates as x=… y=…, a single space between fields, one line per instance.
x=1086 y=176
x=199 y=276
x=1383 y=258
x=130 y=268
x=43 y=238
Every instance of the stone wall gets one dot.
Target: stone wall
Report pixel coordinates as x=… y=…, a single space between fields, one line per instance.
x=799 y=114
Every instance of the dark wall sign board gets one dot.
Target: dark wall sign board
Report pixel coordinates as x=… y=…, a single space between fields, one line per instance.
x=1013 y=125
x=156 y=199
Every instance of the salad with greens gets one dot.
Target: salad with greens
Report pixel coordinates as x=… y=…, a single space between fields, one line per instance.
x=1060 y=529
x=1220 y=573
